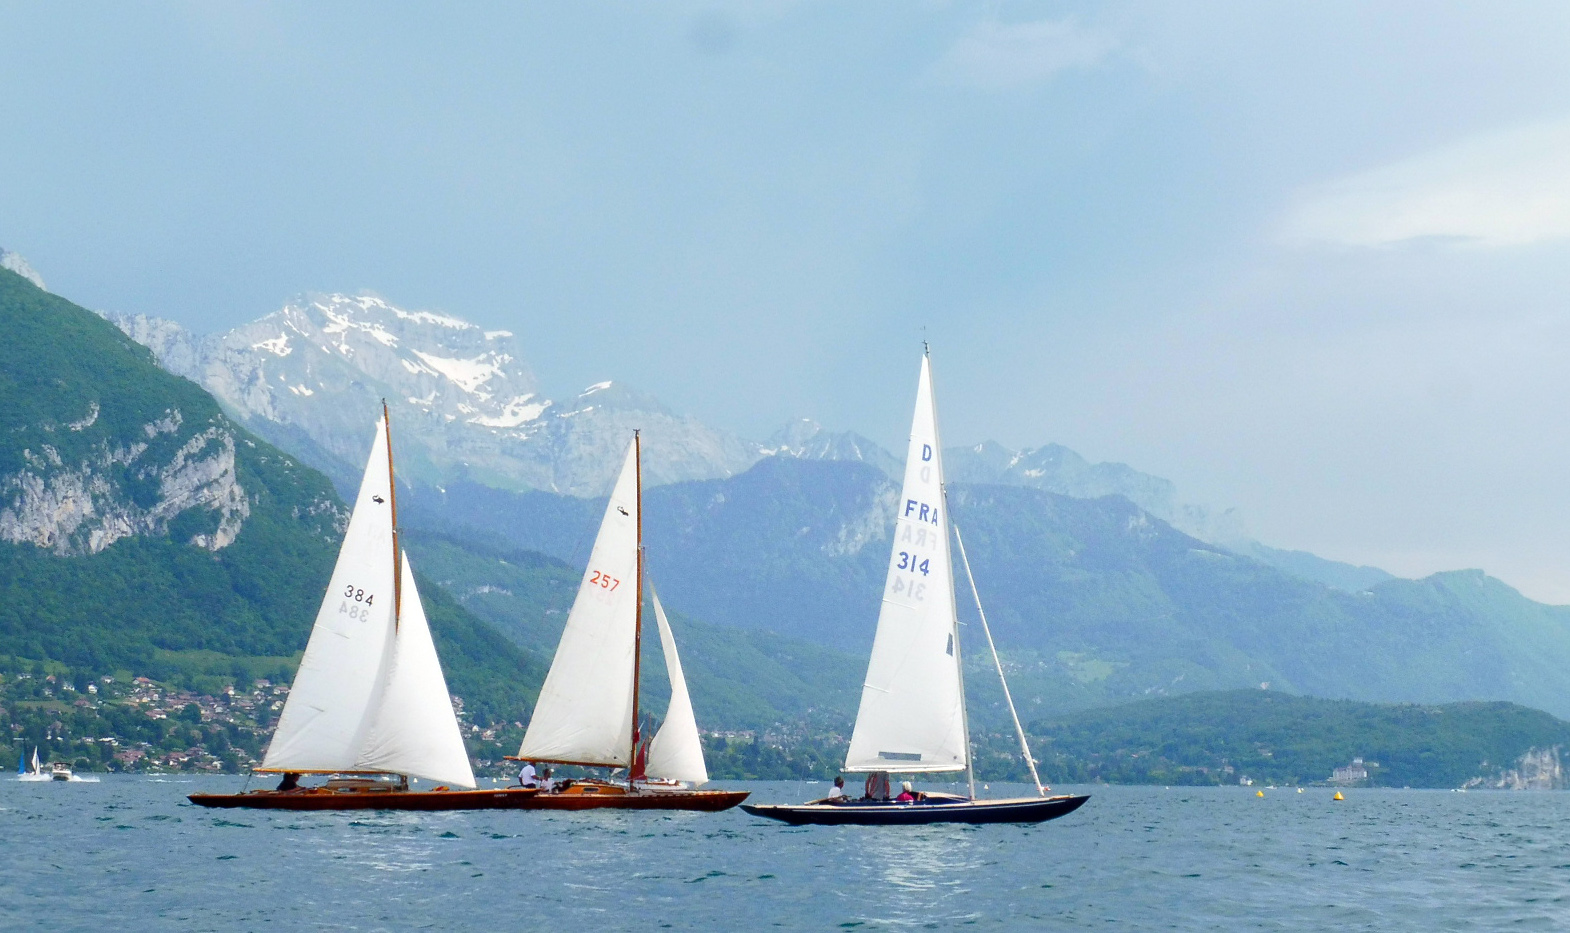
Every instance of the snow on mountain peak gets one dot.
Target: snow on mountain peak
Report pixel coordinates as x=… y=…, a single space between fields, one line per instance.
x=463 y=403
x=469 y=374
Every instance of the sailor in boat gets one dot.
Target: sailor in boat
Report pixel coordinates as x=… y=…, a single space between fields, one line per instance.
x=908 y=794
x=837 y=792
x=527 y=777
x=291 y=781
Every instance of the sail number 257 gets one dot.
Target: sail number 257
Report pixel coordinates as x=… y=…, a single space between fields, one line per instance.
x=603 y=580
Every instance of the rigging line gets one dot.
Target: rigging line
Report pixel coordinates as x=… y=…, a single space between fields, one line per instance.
x=1024 y=746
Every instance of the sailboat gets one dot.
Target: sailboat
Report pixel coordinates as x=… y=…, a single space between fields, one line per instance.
x=369 y=707
x=912 y=717
x=588 y=711
x=37 y=772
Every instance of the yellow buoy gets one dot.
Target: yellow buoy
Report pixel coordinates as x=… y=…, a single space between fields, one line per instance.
x=1338 y=796
x=1259 y=793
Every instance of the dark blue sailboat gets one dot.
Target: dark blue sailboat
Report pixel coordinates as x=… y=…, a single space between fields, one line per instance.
x=912 y=718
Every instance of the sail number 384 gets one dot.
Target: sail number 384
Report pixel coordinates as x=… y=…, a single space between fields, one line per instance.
x=356 y=603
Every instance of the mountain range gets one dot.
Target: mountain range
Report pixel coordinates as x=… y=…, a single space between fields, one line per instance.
x=469 y=410
x=125 y=487
x=1103 y=583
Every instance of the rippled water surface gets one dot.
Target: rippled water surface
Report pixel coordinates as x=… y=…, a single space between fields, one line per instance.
x=131 y=853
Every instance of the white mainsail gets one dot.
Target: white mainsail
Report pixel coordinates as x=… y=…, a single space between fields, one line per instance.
x=415 y=730
x=676 y=752
x=912 y=715
x=584 y=714
x=339 y=684
x=370 y=694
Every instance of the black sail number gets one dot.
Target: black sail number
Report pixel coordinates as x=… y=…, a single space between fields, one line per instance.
x=356 y=603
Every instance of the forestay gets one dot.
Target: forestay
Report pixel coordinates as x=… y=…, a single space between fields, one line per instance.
x=676 y=753
x=328 y=714
x=415 y=730
x=912 y=709
x=584 y=714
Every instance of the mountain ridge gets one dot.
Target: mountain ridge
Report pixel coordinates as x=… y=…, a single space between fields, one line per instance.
x=470 y=412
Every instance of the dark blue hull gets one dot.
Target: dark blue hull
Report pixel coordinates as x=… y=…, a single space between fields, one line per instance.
x=938 y=810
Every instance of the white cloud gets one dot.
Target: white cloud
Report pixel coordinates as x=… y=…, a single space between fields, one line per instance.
x=1504 y=188
x=1005 y=55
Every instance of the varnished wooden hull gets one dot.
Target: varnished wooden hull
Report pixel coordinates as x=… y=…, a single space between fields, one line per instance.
x=937 y=810
x=595 y=796
x=500 y=798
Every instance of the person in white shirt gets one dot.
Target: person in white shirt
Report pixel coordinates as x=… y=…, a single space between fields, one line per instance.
x=526 y=776
x=837 y=792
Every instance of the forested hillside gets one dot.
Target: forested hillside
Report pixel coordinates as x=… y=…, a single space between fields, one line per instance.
x=143 y=532
x=1269 y=737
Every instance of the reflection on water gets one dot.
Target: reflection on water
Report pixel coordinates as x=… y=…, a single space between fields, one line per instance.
x=925 y=870
x=1134 y=858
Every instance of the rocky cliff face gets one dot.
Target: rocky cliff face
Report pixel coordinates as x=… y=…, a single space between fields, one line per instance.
x=1538 y=769
x=119 y=489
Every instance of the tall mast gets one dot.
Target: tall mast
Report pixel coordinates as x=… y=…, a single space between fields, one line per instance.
x=392 y=499
x=959 y=664
x=637 y=637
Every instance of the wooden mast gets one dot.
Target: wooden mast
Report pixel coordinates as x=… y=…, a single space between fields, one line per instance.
x=637 y=637
x=392 y=499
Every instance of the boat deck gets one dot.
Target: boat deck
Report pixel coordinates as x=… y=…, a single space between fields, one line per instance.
x=933 y=808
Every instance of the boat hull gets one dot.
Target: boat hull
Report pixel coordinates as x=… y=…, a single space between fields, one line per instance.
x=948 y=810
x=501 y=798
x=617 y=797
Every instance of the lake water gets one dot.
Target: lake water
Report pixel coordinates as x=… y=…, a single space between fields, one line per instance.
x=132 y=854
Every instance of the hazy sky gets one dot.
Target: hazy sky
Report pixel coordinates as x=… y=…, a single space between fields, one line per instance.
x=1311 y=260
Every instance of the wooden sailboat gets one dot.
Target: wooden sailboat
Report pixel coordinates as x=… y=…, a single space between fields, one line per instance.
x=912 y=717
x=369 y=707
x=588 y=712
